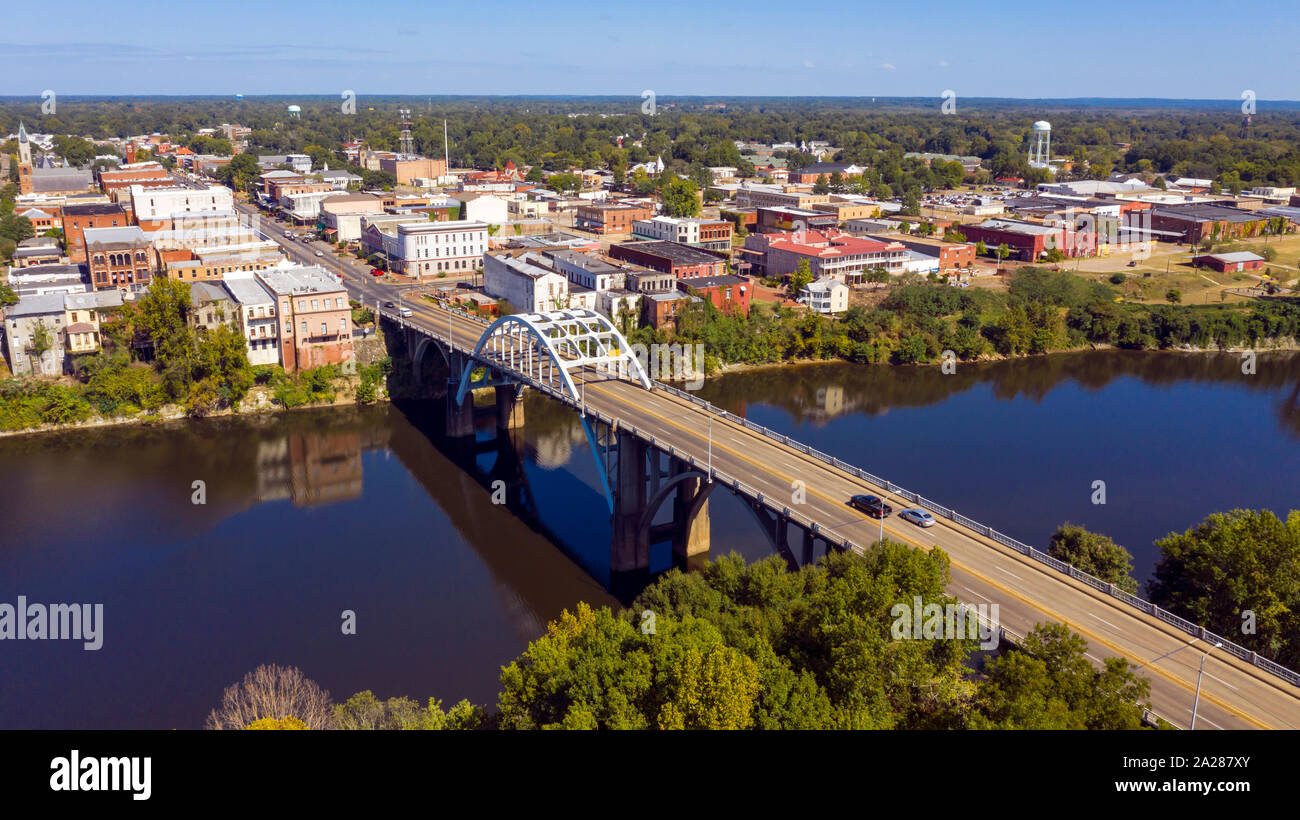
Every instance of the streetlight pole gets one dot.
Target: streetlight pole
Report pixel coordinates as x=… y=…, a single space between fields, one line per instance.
x=1197 y=700
x=710 y=420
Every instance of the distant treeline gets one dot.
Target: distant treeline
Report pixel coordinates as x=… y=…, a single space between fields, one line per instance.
x=1184 y=139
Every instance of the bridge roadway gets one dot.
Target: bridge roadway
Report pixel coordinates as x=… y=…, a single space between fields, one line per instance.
x=1233 y=695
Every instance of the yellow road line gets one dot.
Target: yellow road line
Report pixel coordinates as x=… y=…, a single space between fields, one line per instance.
x=1032 y=604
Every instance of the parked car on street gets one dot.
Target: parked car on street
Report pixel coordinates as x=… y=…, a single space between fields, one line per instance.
x=872 y=505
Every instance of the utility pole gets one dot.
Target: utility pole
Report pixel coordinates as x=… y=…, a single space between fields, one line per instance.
x=1197 y=701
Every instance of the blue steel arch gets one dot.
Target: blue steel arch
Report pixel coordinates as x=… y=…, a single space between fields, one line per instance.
x=552 y=335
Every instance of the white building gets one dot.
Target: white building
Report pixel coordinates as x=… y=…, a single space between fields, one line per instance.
x=488 y=209
x=526 y=283
x=430 y=248
x=667 y=229
x=826 y=295
x=257 y=318
x=154 y=207
x=305 y=205
x=298 y=162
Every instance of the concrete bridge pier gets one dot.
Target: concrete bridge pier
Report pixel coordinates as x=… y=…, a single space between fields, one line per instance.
x=628 y=551
x=460 y=417
x=691 y=524
x=509 y=406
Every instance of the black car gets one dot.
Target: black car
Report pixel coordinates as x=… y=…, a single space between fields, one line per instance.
x=872 y=505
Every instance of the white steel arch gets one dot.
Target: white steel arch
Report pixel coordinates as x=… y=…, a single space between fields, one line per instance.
x=547 y=346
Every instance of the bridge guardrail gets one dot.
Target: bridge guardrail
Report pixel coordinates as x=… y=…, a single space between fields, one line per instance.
x=1134 y=601
x=1088 y=579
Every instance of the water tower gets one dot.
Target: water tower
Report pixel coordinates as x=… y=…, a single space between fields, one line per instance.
x=295 y=111
x=1040 y=145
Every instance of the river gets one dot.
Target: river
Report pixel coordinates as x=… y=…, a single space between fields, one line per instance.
x=311 y=514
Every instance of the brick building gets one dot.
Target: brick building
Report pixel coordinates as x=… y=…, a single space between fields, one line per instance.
x=315 y=318
x=119 y=258
x=729 y=294
x=682 y=261
x=77 y=218
x=607 y=218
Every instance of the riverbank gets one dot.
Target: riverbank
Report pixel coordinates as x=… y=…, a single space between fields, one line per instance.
x=259 y=401
x=1277 y=346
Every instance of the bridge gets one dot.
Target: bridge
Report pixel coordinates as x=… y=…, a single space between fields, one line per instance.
x=657 y=447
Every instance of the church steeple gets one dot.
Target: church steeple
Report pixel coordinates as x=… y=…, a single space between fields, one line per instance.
x=24 y=144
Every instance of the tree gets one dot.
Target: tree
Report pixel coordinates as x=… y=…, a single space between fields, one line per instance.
x=821 y=186
x=275 y=692
x=1095 y=554
x=1242 y=561
x=800 y=279
x=240 y=173
x=680 y=197
x=981 y=249
x=1174 y=295
x=364 y=711
x=1048 y=683
x=42 y=342
x=273 y=723
x=911 y=204
x=565 y=182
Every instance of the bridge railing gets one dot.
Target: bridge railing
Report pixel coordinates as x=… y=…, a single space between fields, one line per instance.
x=1073 y=572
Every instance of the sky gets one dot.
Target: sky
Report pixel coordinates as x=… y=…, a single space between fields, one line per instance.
x=1138 y=48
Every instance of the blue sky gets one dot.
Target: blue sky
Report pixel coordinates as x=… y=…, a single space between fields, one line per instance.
x=1137 y=48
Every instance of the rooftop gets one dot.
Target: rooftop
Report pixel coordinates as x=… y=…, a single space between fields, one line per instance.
x=677 y=253
x=127 y=233
x=286 y=281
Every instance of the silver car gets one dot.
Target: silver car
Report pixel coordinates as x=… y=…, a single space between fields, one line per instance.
x=917 y=516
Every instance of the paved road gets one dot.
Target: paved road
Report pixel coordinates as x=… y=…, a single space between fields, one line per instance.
x=1233 y=694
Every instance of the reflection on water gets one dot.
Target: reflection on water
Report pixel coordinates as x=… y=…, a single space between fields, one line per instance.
x=820 y=392
x=307 y=514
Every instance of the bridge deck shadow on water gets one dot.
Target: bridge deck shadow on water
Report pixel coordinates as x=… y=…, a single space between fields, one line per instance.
x=623 y=511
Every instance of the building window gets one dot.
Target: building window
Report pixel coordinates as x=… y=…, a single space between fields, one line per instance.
x=304 y=328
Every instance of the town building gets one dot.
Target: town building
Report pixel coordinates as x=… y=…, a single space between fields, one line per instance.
x=729 y=294
x=1197 y=222
x=39 y=250
x=255 y=307
x=827 y=296
x=211 y=306
x=1236 y=262
x=682 y=261
x=41 y=279
x=341 y=214
x=828 y=253
x=83 y=315
x=428 y=249
x=149 y=174
x=314 y=314
x=820 y=170
x=78 y=218
x=119 y=258
x=526 y=282
x=159 y=208
x=408 y=168
x=34 y=335
x=299 y=163
x=710 y=234
x=610 y=218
